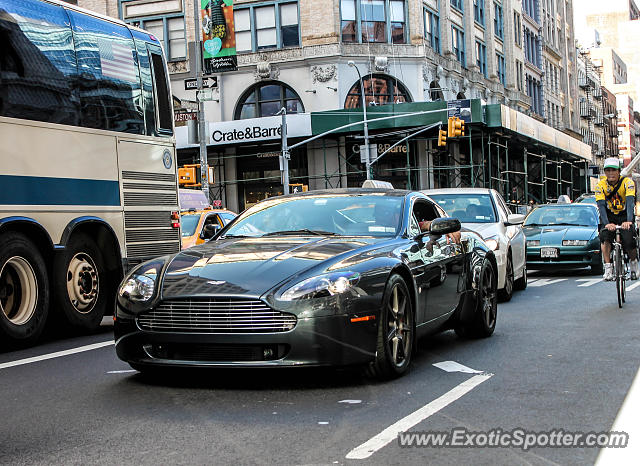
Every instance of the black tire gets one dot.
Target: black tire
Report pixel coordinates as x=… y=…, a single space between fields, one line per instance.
x=617 y=258
x=521 y=283
x=22 y=272
x=483 y=322
x=80 y=283
x=396 y=330
x=506 y=293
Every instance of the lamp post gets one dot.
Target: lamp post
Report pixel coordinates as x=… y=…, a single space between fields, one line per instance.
x=366 y=126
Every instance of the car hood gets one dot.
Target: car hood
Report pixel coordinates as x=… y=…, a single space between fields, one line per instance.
x=250 y=266
x=554 y=235
x=486 y=230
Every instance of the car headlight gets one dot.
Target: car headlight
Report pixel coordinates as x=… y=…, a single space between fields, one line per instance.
x=574 y=242
x=140 y=285
x=493 y=243
x=321 y=286
x=533 y=243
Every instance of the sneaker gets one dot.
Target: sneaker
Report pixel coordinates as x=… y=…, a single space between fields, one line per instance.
x=633 y=266
x=608 y=272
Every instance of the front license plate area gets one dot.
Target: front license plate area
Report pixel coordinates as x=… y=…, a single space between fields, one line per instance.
x=550 y=253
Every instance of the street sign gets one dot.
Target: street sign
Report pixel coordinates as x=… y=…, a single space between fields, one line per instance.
x=210 y=82
x=460 y=109
x=205 y=95
x=185 y=116
x=373 y=152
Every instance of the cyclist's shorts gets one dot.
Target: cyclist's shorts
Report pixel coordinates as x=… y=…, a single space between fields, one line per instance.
x=627 y=236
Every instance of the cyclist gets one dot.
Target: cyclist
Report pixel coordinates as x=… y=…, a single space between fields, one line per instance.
x=615 y=196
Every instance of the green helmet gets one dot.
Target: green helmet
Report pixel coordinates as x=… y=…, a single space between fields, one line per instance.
x=612 y=162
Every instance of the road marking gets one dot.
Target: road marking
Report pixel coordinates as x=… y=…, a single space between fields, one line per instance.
x=546 y=281
x=626 y=421
x=390 y=434
x=452 y=366
x=635 y=285
x=57 y=354
x=122 y=372
x=350 y=402
x=589 y=281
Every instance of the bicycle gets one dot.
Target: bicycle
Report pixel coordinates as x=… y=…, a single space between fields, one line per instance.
x=620 y=261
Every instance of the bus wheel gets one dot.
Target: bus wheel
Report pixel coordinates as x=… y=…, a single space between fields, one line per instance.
x=24 y=290
x=80 y=282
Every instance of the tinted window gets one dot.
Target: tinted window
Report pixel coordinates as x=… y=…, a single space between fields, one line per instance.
x=165 y=116
x=37 y=63
x=108 y=84
x=147 y=82
x=468 y=208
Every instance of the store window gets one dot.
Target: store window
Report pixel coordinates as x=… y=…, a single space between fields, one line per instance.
x=369 y=21
x=164 y=19
x=266 y=99
x=379 y=90
x=266 y=26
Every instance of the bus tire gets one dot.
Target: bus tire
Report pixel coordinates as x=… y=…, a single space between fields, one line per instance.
x=80 y=283
x=24 y=290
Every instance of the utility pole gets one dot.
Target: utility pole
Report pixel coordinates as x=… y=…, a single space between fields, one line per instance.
x=286 y=155
x=364 y=116
x=202 y=126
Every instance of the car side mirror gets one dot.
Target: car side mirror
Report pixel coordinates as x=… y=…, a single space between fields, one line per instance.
x=210 y=230
x=442 y=226
x=515 y=219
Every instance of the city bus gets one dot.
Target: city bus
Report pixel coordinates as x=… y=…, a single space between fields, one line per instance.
x=88 y=180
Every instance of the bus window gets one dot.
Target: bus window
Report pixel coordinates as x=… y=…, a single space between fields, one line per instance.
x=147 y=82
x=165 y=115
x=109 y=83
x=37 y=63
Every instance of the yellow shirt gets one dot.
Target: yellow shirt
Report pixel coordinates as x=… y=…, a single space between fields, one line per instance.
x=617 y=203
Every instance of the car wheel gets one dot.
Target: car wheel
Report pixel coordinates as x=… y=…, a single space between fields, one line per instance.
x=396 y=330
x=485 y=316
x=521 y=283
x=24 y=291
x=80 y=283
x=506 y=293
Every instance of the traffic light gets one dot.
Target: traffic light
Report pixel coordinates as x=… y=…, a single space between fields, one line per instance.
x=460 y=127
x=189 y=175
x=442 y=138
x=450 y=126
x=456 y=127
x=298 y=188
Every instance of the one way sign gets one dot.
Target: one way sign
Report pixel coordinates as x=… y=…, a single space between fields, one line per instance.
x=210 y=82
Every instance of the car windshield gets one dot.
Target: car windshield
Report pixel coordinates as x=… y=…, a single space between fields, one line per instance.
x=468 y=208
x=189 y=223
x=350 y=215
x=574 y=215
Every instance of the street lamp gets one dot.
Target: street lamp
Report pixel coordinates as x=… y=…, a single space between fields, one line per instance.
x=367 y=159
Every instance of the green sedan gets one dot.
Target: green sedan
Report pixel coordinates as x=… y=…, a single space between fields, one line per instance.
x=563 y=236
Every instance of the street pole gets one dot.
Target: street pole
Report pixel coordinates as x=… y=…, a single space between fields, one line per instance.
x=284 y=158
x=366 y=126
x=202 y=126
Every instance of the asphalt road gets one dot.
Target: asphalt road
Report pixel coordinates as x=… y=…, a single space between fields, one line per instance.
x=563 y=356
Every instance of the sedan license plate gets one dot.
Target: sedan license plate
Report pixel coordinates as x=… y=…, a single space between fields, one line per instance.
x=549 y=252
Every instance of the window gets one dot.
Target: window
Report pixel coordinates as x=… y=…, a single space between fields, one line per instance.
x=517 y=28
x=481 y=57
x=367 y=21
x=478 y=11
x=519 y=75
x=432 y=29
x=164 y=114
x=266 y=99
x=379 y=89
x=457 y=44
x=166 y=24
x=458 y=5
x=498 y=21
x=501 y=68
x=269 y=26
x=530 y=7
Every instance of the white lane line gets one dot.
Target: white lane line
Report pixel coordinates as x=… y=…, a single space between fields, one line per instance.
x=589 y=281
x=122 y=372
x=627 y=421
x=350 y=402
x=635 y=285
x=390 y=434
x=57 y=354
x=452 y=366
x=547 y=281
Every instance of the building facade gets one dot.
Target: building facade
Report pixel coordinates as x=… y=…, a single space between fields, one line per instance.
x=590 y=100
x=626 y=127
x=610 y=116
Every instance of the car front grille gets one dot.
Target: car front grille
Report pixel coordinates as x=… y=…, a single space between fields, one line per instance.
x=215 y=315
x=216 y=353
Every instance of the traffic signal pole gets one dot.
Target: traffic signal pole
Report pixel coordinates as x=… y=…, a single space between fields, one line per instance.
x=286 y=155
x=202 y=126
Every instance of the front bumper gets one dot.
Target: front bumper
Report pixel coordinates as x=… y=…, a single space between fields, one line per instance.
x=320 y=341
x=569 y=257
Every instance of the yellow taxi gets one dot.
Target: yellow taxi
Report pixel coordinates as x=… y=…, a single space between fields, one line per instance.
x=194 y=223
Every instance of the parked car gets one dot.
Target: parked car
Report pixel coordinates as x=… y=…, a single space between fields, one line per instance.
x=330 y=277
x=484 y=211
x=199 y=225
x=563 y=235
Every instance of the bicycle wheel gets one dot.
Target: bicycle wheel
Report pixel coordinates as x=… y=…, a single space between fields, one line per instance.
x=619 y=274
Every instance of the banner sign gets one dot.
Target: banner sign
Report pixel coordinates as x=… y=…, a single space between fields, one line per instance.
x=259 y=129
x=460 y=109
x=218 y=36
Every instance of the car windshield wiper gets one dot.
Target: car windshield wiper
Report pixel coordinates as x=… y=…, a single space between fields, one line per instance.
x=301 y=231
x=535 y=224
x=236 y=236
